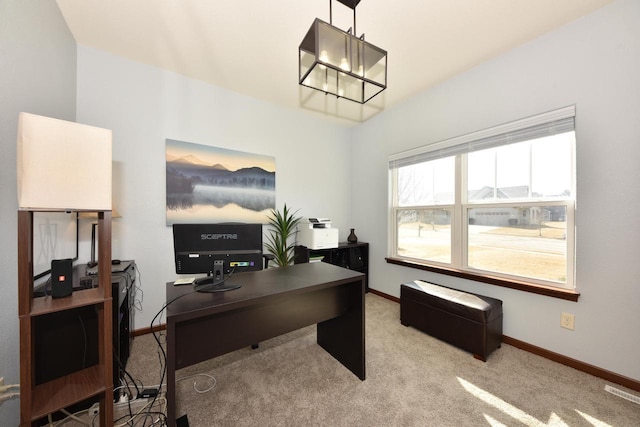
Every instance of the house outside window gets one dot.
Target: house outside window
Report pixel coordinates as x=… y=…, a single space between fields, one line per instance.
x=499 y=203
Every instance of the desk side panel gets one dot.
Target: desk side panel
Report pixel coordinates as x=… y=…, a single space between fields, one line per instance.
x=344 y=337
x=200 y=339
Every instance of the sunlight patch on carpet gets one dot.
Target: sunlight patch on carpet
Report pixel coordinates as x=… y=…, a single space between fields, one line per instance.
x=510 y=410
x=493 y=422
x=593 y=421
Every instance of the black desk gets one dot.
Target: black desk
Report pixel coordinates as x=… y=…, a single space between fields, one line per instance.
x=270 y=302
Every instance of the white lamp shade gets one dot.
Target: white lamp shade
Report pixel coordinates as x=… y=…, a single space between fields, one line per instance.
x=62 y=165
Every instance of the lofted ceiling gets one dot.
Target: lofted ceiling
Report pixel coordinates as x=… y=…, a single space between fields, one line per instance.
x=251 y=46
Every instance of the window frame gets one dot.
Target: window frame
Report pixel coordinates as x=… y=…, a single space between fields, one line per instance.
x=459 y=147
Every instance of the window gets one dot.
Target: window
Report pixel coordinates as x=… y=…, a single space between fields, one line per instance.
x=496 y=203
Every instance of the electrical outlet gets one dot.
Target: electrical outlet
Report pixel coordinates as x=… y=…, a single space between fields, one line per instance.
x=567 y=321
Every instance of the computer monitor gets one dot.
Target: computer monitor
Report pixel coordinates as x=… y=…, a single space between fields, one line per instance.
x=217 y=250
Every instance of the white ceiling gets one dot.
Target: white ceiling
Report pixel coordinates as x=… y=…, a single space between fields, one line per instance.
x=251 y=46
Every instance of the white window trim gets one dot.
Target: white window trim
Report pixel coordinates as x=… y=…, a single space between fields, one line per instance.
x=465 y=144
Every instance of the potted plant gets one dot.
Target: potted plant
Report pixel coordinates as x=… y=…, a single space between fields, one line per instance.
x=284 y=225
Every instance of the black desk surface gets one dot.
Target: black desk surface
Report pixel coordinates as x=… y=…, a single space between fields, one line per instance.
x=257 y=287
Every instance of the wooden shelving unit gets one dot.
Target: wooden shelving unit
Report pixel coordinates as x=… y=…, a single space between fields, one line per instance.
x=39 y=400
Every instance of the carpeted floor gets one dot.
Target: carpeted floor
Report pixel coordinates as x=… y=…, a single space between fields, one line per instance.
x=412 y=380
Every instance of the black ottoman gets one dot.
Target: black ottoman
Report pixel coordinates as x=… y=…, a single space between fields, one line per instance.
x=468 y=321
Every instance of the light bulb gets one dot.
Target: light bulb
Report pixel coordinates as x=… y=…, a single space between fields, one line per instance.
x=324 y=57
x=344 y=64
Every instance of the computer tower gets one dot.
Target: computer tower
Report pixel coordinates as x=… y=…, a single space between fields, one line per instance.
x=74 y=330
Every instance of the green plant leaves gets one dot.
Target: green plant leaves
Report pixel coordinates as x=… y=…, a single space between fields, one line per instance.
x=284 y=225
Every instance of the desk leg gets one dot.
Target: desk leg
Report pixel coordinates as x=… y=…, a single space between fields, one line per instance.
x=171 y=374
x=343 y=337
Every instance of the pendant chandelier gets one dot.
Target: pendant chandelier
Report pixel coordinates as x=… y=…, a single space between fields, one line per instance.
x=339 y=63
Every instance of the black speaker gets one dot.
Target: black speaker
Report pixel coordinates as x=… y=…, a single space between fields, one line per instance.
x=61 y=278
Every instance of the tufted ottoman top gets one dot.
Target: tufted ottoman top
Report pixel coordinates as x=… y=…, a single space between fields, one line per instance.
x=474 y=307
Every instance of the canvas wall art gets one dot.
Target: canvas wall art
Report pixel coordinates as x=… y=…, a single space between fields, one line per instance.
x=210 y=184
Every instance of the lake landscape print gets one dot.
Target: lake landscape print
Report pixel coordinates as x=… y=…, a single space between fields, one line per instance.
x=210 y=184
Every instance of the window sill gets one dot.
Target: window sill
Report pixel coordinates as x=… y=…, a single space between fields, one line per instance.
x=549 y=291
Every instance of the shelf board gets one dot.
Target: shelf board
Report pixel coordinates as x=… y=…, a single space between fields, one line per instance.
x=67 y=390
x=46 y=305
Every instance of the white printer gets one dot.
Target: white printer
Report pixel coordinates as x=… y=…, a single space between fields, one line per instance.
x=316 y=233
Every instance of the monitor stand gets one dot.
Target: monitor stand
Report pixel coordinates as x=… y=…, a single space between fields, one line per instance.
x=207 y=284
